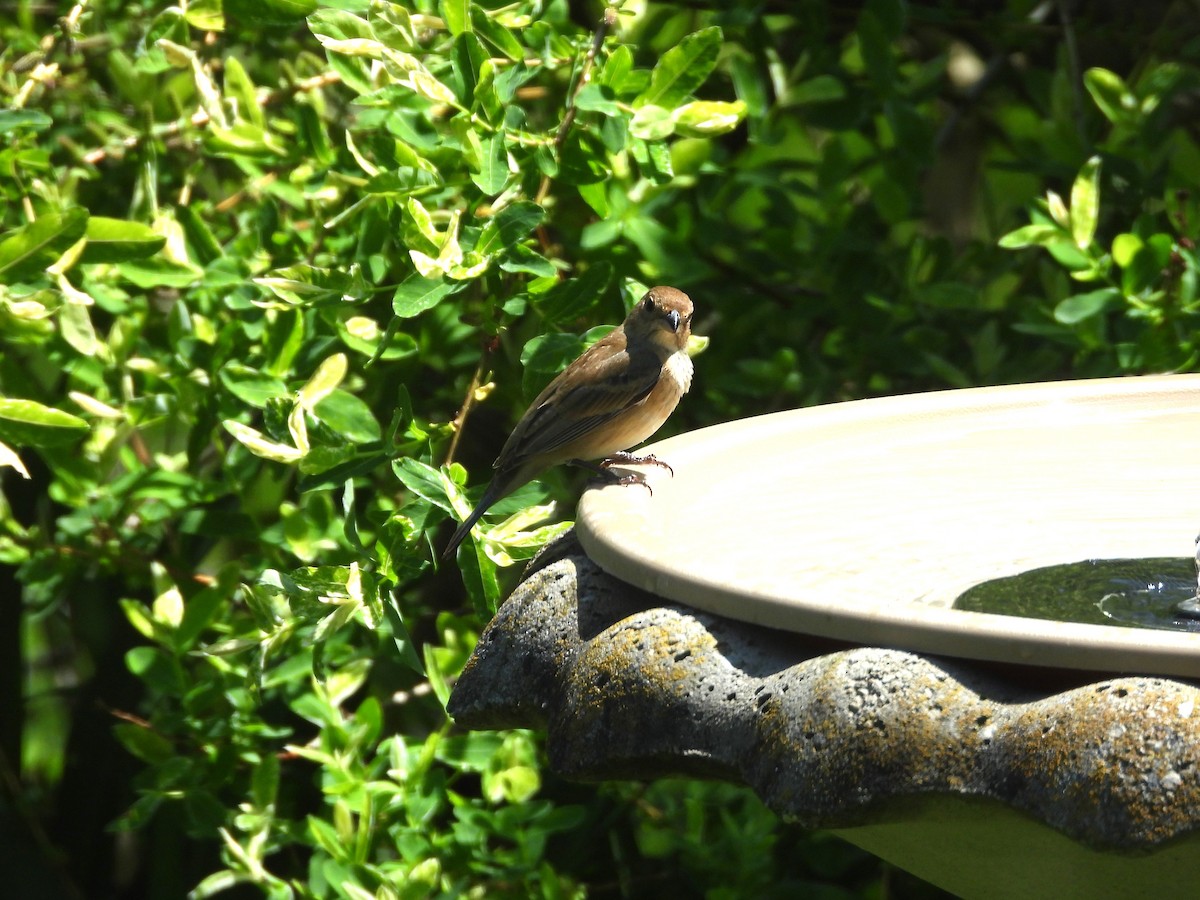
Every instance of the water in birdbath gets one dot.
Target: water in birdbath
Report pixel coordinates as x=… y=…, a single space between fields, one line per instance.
x=1140 y=593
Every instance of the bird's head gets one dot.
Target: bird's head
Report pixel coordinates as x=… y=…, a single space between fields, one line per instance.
x=663 y=316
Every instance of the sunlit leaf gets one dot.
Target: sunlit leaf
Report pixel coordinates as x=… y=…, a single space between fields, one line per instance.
x=652 y=123
x=493 y=166
x=33 y=247
x=511 y=224
x=1085 y=203
x=456 y=15
x=496 y=34
x=27 y=423
x=1036 y=235
x=260 y=445
x=708 y=118
x=10 y=459
x=349 y=416
x=250 y=385
x=417 y=294
x=682 y=69
x=118 y=240
x=329 y=374
x=1110 y=94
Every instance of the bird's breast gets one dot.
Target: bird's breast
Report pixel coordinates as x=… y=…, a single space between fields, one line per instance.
x=678 y=368
x=637 y=423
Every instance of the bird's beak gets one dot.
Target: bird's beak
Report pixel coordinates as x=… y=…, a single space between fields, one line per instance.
x=673 y=318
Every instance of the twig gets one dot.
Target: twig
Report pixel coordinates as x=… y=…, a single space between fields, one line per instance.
x=469 y=400
x=585 y=75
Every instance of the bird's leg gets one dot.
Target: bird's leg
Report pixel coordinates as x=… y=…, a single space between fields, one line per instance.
x=623 y=457
x=612 y=477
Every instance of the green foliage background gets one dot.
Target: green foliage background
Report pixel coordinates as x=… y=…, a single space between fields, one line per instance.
x=261 y=263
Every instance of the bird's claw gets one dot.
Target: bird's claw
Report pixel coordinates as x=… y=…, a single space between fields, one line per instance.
x=630 y=478
x=624 y=458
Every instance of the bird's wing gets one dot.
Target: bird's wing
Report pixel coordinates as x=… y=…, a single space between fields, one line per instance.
x=579 y=401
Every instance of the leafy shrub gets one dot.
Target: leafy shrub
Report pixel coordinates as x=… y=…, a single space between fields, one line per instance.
x=263 y=264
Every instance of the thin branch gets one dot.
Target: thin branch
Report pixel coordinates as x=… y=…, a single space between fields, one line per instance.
x=460 y=420
x=585 y=76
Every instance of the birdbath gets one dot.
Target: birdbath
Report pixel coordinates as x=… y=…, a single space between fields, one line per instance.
x=782 y=611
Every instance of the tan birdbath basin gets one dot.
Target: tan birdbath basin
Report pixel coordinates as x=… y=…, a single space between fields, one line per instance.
x=864 y=521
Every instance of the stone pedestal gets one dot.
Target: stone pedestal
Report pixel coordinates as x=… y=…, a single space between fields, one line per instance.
x=989 y=780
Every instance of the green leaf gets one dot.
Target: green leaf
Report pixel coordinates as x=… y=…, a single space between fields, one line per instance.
x=456 y=15
x=199 y=235
x=708 y=118
x=303 y=284
x=392 y=25
x=682 y=69
x=119 y=240
x=509 y=226
x=417 y=294
x=401 y=182
x=338 y=25
x=652 y=123
x=493 y=166
x=269 y=12
x=1085 y=203
x=27 y=423
x=349 y=416
x=424 y=481
x=329 y=374
x=158 y=272
x=75 y=325
x=264 y=782
x=521 y=259
x=404 y=643
x=31 y=248
x=597 y=98
x=260 y=445
x=1125 y=248
x=17 y=119
x=545 y=356
x=1110 y=94
x=250 y=385
x=1076 y=309
x=205 y=15
x=364 y=335
x=143 y=743
x=569 y=300
x=1036 y=235
x=618 y=73
x=496 y=35
x=820 y=89
x=240 y=89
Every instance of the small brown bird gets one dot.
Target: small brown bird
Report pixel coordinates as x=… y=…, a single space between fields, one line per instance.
x=617 y=394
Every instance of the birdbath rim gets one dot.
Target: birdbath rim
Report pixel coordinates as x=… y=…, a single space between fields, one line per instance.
x=864 y=520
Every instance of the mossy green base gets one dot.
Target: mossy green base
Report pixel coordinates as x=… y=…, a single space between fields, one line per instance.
x=981 y=848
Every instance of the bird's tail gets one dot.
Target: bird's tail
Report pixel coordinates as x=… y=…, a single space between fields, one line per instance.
x=490 y=496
